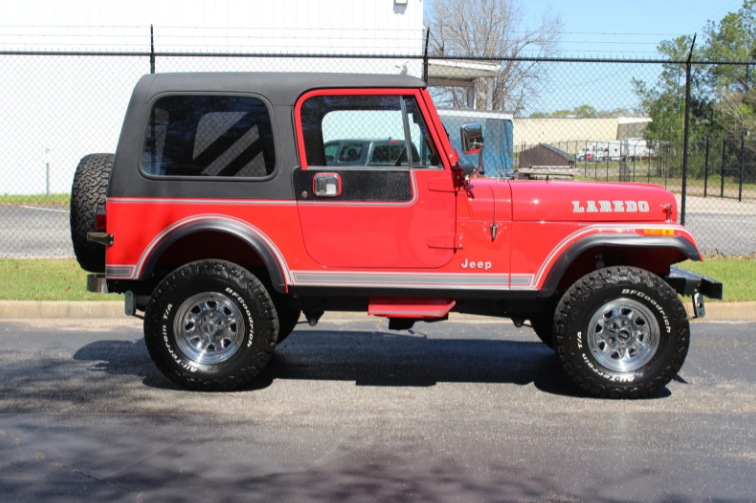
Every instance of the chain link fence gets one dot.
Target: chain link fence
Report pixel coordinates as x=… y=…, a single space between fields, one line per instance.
x=586 y=120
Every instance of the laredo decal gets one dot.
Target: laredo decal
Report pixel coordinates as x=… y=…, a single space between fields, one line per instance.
x=609 y=206
x=472 y=265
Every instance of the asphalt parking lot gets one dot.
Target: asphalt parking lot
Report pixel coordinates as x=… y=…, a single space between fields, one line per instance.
x=458 y=411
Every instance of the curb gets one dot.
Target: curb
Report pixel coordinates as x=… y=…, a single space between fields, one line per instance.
x=61 y=309
x=115 y=309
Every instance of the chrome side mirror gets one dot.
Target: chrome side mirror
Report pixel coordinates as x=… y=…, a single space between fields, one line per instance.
x=472 y=138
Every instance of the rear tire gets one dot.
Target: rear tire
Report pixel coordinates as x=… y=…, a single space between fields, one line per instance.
x=621 y=332
x=211 y=325
x=88 y=192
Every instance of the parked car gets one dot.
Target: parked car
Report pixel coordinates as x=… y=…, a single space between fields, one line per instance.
x=388 y=152
x=227 y=212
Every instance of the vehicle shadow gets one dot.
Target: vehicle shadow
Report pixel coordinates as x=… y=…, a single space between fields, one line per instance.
x=373 y=358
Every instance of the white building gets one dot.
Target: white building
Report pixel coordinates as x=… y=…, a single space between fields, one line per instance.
x=56 y=109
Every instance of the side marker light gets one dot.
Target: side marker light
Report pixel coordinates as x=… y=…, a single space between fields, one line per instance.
x=659 y=232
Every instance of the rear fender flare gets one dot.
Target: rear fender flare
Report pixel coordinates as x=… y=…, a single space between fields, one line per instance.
x=562 y=263
x=253 y=237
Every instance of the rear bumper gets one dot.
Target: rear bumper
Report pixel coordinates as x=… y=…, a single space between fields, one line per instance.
x=97 y=283
x=688 y=283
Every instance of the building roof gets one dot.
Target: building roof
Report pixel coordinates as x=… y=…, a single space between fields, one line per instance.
x=557 y=151
x=474 y=112
x=280 y=88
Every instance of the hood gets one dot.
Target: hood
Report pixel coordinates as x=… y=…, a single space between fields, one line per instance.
x=591 y=202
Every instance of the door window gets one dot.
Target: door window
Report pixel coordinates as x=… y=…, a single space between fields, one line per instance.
x=365 y=130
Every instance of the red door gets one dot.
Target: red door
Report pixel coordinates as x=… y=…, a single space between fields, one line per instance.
x=391 y=202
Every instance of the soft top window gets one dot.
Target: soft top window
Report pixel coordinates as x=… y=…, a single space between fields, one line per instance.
x=209 y=136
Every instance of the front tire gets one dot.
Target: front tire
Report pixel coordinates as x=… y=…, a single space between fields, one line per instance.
x=210 y=325
x=621 y=332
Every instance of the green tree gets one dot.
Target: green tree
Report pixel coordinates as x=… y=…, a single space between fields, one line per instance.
x=733 y=39
x=585 y=111
x=664 y=101
x=723 y=97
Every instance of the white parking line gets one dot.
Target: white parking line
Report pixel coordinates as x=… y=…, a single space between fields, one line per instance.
x=43 y=209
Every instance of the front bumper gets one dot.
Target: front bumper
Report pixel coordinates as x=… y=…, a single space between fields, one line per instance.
x=97 y=283
x=688 y=283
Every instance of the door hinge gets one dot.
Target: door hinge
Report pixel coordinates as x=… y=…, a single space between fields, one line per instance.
x=100 y=238
x=450 y=241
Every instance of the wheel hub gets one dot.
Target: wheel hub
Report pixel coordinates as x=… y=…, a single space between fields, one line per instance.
x=623 y=335
x=209 y=328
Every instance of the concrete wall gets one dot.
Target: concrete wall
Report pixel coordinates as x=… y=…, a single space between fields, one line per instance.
x=570 y=134
x=370 y=26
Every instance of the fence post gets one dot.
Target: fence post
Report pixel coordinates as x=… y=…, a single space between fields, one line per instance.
x=686 y=133
x=722 y=169
x=706 y=165
x=425 y=56
x=742 y=165
x=666 y=167
x=152 y=51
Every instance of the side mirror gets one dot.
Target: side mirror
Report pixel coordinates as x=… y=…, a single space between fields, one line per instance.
x=472 y=138
x=472 y=143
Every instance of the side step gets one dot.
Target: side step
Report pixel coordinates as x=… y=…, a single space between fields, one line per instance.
x=408 y=307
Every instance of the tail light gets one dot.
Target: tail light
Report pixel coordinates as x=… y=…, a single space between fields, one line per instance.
x=101 y=218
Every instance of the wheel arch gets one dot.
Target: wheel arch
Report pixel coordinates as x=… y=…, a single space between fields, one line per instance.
x=256 y=240
x=633 y=250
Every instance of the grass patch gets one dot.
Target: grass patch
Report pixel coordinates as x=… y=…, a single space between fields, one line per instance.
x=738 y=275
x=46 y=279
x=36 y=200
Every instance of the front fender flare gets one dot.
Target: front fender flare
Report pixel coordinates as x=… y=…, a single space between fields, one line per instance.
x=627 y=241
x=253 y=238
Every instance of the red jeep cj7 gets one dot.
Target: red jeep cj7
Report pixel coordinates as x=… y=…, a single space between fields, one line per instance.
x=235 y=202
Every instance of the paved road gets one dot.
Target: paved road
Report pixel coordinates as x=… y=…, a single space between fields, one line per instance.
x=348 y=411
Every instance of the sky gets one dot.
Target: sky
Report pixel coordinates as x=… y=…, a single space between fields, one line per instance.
x=595 y=28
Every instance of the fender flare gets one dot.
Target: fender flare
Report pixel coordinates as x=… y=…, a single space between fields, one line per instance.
x=275 y=268
x=628 y=241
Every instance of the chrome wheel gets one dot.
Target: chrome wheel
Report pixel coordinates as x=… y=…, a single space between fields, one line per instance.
x=209 y=328
x=623 y=335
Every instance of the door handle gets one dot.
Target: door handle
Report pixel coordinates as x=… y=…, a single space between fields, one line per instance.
x=326 y=185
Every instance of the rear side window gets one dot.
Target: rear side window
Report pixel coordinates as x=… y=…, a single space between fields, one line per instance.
x=209 y=136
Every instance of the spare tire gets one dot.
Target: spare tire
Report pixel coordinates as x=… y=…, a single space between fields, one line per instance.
x=88 y=192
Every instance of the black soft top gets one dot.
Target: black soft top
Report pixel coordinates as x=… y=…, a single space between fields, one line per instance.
x=278 y=88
